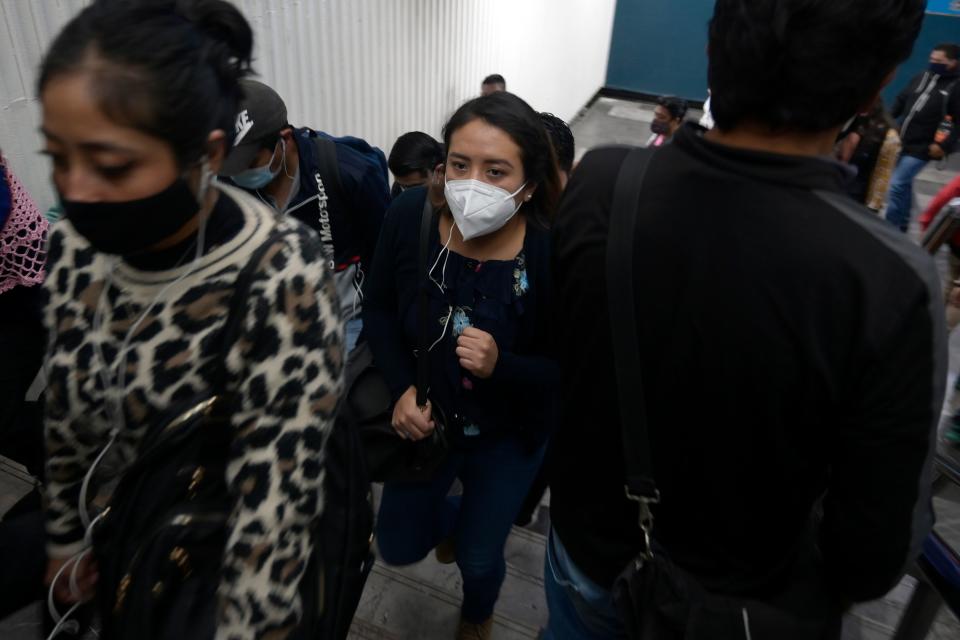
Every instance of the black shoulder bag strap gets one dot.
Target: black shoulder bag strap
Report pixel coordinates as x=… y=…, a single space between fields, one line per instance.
x=423 y=305
x=621 y=300
x=328 y=164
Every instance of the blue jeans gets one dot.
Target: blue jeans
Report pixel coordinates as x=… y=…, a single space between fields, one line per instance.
x=353 y=329
x=580 y=609
x=900 y=199
x=416 y=516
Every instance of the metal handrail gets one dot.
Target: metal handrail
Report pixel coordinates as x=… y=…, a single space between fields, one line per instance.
x=938 y=575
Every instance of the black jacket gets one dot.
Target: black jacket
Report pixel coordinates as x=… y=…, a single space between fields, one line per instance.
x=922 y=106
x=794 y=355
x=520 y=396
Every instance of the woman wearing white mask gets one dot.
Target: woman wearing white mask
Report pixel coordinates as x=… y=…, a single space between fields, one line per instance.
x=490 y=372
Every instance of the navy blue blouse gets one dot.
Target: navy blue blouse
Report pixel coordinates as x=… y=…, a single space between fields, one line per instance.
x=506 y=298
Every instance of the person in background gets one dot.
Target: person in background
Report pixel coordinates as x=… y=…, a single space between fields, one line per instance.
x=561 y=137
x=414 y=161
x=819 y=327
x=141 y=274
x=872 y=148
x=942 y=200
x=563 y=144
x=491 y=372
x=337 y=186
x=668 y=116
x=23 y=235
x=492 y=84
x=929 y=112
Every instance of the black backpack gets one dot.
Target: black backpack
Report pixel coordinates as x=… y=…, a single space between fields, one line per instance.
x=159 y=546
x=343 y=551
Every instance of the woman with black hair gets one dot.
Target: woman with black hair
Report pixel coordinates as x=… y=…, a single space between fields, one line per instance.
x=139 y=100
x=490 y=372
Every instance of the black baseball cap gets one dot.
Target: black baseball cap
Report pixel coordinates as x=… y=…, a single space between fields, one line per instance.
x=262 y=115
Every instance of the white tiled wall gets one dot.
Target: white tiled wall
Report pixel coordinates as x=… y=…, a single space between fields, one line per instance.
x=371 y=68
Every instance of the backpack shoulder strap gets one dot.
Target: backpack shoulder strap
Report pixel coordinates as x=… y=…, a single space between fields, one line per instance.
x=327 y=162
x=621 y=300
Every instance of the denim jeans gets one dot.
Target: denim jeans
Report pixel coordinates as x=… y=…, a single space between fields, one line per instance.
x=416 y=516
x=580 y=609
x=353 y=329
x=900 y=200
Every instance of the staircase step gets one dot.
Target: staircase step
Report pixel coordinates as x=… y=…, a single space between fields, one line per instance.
x=423 y=600
x=15 y=482
x=399 y=604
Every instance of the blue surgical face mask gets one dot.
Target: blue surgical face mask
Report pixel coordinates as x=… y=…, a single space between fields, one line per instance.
x=939 y=68
x=259 y=177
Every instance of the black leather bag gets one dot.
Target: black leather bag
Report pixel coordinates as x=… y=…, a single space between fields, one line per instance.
x=656 y=599
x=343 y=544
x=369 y=404
x=159 y=545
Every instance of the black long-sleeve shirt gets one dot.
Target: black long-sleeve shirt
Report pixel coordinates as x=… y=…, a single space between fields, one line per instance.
x=519 y=398
x=793 y=352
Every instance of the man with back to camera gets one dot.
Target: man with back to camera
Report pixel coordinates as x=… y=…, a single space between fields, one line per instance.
x=798 y=476
x=337 y=186
x=492 y=84
x=922 y=108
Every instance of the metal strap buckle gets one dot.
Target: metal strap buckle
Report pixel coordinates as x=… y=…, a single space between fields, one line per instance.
x=645 y=519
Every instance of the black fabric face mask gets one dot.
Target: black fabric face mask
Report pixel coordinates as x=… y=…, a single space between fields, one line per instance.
x=133 y=226
x=939 y=68
x=659 y=128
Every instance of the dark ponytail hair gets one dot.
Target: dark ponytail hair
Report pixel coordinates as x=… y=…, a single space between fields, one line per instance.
x=518 y=119
x=170 y=68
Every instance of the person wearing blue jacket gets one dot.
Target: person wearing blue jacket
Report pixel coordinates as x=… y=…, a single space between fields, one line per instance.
x=337 y=186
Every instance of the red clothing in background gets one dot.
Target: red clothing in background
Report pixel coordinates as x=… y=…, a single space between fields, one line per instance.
x=941 y=200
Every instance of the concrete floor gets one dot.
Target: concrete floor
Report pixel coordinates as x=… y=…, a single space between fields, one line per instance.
x=422 y=601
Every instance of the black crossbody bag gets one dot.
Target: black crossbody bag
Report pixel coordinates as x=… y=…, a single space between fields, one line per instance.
x=369 y=403
x=656 y=599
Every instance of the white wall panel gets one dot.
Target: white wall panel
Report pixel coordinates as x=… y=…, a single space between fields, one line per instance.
x=28 y=27
x=370 y=68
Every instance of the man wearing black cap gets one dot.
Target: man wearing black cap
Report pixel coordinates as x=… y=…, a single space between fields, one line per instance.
x=337 y=186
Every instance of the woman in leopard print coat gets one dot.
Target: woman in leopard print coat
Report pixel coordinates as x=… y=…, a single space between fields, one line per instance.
x=139 y=101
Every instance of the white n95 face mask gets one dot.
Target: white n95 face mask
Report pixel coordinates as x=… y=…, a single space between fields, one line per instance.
x=479 y=208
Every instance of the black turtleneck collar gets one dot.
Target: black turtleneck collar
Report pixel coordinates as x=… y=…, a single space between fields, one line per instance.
x=226 y=220
x=800 y=171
